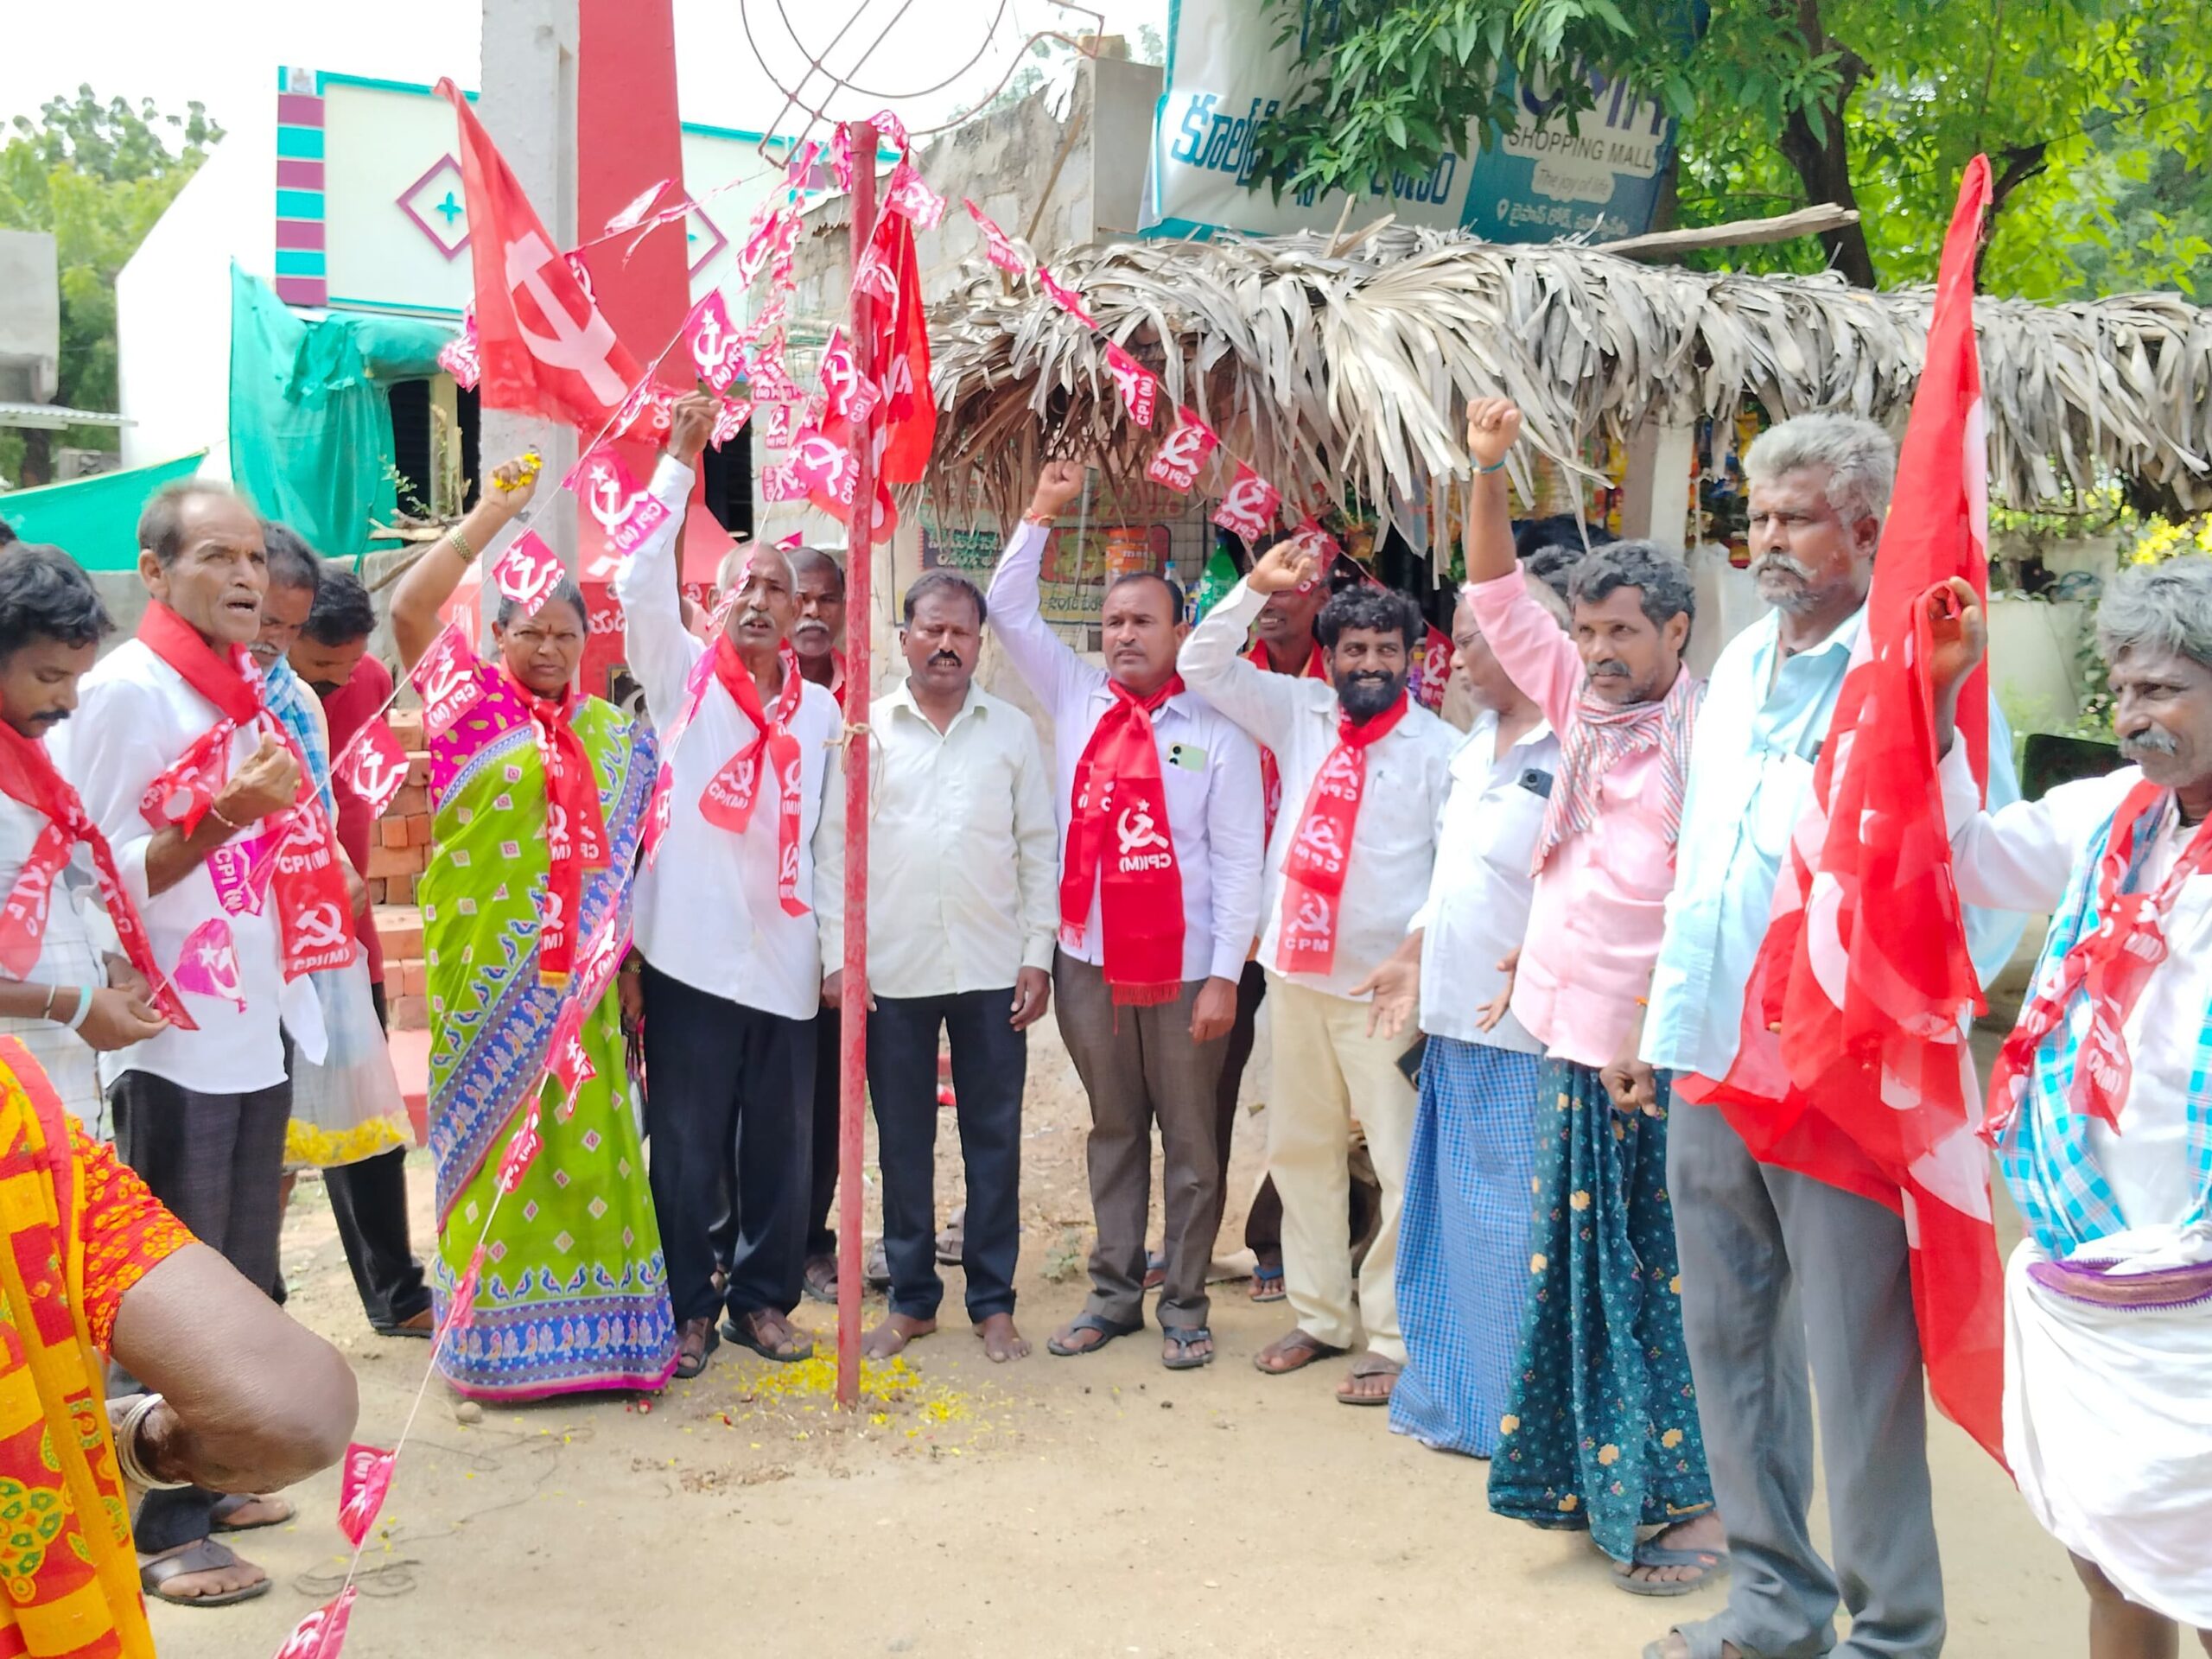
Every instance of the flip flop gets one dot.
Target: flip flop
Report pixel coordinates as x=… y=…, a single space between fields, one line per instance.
x=1714 y=1563
x=1108 y=1329
x=1300 y=1347
x=218 y=1518
x=1155 y=1270
x=206 y=1556
x=1267 y=1285
x=1365 y=1366
x=1182 y=1339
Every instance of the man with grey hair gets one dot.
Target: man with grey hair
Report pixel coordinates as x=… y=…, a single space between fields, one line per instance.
x=1600 y=1429
x=2101 y=1118
x=1779 y=1272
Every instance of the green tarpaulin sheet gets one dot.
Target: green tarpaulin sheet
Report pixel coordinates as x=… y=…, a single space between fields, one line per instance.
x=94 y=520
x=310 y=425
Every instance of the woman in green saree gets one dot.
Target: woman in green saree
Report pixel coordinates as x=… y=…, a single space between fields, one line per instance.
x=539 y=795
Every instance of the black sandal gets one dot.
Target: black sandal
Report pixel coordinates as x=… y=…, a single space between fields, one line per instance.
x=741 y=1332
x=688 y=1364
x=1182 y=1340
x=1106 y=1328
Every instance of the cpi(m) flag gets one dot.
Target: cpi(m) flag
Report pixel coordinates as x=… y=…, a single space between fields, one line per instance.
x=544 y=346
x=1854 y=1068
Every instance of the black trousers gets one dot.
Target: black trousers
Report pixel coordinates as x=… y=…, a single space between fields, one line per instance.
x=821 y=1237
x=990 y=1061
x=728 y=1085
x=368 y=1199
x=217 y=1161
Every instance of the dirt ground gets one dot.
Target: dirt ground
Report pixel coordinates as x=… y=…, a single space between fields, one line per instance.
x=1099 y=1506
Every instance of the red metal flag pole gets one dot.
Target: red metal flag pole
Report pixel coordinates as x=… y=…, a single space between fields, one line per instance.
x=852 y=1050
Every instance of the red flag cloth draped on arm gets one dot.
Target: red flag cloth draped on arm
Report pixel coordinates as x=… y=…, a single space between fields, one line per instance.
x=1853 y=1068
x=543 y=346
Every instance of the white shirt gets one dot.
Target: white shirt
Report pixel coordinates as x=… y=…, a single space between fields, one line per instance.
x=1479 y=898
x=963 y=850
x=1208 y=771
x=77 y=931
x=2021 y=858
x=1401 y=807
x=136 y=716
x=707 y=911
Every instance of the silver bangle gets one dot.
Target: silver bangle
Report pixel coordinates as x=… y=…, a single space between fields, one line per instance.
x=125 y=1414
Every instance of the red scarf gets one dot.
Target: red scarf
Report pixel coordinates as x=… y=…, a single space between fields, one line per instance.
x=729 y=795
x=1118 y=792
x=2110 y=965
x=1271 y=773
x=27 y=775
x=295 y=852
x=575 y=829
x=1314 y=864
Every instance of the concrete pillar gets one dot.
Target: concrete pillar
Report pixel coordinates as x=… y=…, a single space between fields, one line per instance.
x=1656 y=494
x=528 y=104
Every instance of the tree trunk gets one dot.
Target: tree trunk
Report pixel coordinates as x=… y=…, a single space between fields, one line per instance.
x=38 y=456
x=1823 y=160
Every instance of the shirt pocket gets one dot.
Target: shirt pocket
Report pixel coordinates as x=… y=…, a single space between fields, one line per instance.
x=1784 y=784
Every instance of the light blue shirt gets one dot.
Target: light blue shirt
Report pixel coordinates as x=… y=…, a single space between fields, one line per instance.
x=1752 y=760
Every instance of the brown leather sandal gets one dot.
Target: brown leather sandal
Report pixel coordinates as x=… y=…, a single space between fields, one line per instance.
x=1292 y=1353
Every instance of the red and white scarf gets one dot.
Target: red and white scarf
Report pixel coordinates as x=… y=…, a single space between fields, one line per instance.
x=728 y=798
x=2108 y=966
x=575 y=827
x=1118 y=792
x=1271 y=773
x=27 y=775
x=293 y=854
x=1319 y=854
x=1603 y=735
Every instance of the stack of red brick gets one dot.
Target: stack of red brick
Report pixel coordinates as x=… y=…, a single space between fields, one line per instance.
x=397 y=858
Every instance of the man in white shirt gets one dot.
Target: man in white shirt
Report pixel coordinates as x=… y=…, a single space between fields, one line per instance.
x=1365 y=774
x=2098 y=1108
x=962 y=855
x=1157 y=799
x=65 y=990
x=1463 y=1239
x=170 y=732
x=739 y=914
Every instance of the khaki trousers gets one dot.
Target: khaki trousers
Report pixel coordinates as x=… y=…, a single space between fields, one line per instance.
x=1328 y=1071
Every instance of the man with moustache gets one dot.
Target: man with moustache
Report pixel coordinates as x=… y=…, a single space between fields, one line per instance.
x=368 y=1198
x=1601 y=1428
x=1365 y=771
x=962 y=854
x=739 y=917
x=1787 y=1280
x=196 y=785
x=64 y=991
x=1157 y=798
x=818 y=587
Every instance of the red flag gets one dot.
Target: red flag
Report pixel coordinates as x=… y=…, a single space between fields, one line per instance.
x=1183 y=451
x=717 y=347
x=458 y=356
x=521 y=1152
x=363 y=1479
x=544 y=346
x=527 y=571
x=321 y=1634
x=996 y=243
x=1250 y=507
x=1864 y=973
x=1140 y=390
x=1066 y=298
x=446 y=677
x=374 y=767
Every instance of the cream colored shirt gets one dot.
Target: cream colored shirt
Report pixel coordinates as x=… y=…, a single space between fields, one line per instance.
x=963 y=850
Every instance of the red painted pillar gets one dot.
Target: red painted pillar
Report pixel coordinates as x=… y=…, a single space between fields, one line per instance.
x=627 y=135
x=860 y=563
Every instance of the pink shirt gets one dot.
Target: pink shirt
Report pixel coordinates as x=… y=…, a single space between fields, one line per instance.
x=1600 y=903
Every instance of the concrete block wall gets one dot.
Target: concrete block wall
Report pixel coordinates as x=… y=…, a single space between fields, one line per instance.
x=398 y=857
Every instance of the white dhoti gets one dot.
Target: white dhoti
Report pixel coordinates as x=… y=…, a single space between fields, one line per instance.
x=2108 y=1422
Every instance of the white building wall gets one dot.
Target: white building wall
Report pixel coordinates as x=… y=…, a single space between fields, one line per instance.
x=173 y=303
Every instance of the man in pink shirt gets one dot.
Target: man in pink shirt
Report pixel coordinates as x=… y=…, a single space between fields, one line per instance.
x=1601 y=1427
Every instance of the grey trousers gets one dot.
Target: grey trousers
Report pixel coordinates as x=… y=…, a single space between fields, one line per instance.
x=1140 y=1065
x=1780 y=1271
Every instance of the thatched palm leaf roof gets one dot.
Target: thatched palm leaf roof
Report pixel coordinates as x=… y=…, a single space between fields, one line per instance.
x=1327 y=371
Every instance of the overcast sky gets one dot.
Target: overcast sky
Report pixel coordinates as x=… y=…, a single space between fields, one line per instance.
x=226 y=55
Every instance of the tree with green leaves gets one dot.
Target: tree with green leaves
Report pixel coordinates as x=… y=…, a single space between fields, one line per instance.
x=96 y=175
x=2097 y=116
